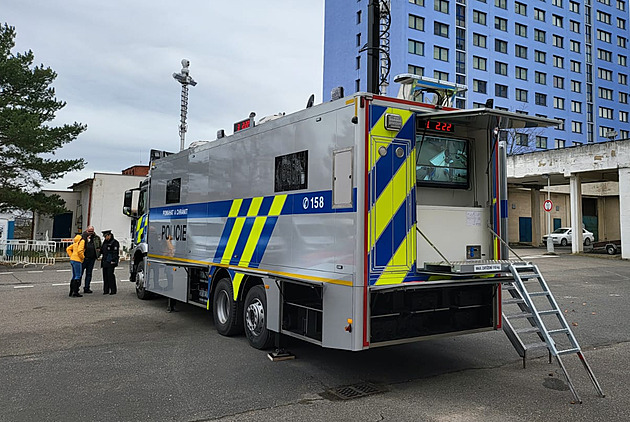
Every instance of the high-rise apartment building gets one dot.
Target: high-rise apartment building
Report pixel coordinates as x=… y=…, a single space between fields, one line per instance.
x=560 y=59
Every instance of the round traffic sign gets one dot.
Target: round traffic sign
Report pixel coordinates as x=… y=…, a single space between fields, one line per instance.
x=548 y=205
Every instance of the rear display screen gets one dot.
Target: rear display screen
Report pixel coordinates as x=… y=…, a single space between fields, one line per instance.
x=442 y=161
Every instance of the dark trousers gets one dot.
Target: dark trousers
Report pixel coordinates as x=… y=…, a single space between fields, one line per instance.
x=109 y=280
x=88 y=266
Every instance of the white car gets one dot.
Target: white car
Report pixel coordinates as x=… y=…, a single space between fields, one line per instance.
x=562 y=236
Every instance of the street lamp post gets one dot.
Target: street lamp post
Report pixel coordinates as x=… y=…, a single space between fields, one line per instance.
x=184 y=78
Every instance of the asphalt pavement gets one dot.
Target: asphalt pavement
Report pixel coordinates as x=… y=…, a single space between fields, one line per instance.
x=116 y=358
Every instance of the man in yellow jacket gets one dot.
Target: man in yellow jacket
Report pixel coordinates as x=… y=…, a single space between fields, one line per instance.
x=76 y=252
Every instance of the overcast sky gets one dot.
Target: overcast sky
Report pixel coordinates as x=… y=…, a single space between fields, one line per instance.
x=115 y=61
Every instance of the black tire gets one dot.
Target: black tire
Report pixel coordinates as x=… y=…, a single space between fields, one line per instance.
x=226 y=312
x=141 y=292
x=255 y=319
x=611 y=249
x=564 y=242
x=587 y=241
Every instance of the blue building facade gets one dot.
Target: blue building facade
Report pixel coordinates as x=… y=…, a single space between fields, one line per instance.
x=560 y=59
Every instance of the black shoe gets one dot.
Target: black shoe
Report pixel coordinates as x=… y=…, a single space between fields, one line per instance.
x=87 y=291
x=77 y=294
x=112 y=293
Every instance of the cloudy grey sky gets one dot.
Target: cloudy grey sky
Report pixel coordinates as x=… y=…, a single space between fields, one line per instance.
x=115 y=59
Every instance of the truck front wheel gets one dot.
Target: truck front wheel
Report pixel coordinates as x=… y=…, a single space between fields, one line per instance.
x=254 y=316
x=225 y=309
x=141 y=291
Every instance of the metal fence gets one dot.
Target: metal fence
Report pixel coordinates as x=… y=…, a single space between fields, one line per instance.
x=27 y=252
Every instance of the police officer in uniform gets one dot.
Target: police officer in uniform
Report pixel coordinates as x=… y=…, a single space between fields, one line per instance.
x=110 y=255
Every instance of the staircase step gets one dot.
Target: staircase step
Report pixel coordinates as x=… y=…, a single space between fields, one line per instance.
x=549 y=312
x=520 y=315
x=559 y=331
x=540 y=345
x=567 y=351
x=513 y=300
x=544 y=293
x=527 y=330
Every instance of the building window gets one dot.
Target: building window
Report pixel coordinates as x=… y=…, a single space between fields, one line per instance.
x=540 y=56
x=500 y=46
x=460 y=62
x=604 y=74
x=416 y=47
x=622 y=60
x=520 y=30
x=621 y=23
x=539 y=15
x=521 y=95
x=576 y=66
x=520 y=73
x=441 y=6
x=575 y=46
x=521 y=139
x=440 y=76
x=561 y=124
x=357 y=85
x=541 y=142
x=460 y=14
x=479 y=40
x=560 y=143
x=479 y=63
x=480 y=86
x=574 y=26
x=623 y=97
x=576 y=106
x=623 y=79
x=557 y=3
x=621 y=5
x=604 y=36
x=576 y=86
x=622 y=42
x=416 y=22
x=606 y=113
x=603 y=17
x=479 y=17
x=500 y=91
x=501 y=68
x=417 y=2
x=558 y=82
x=558 y=41
x=540 y=78
x=520 y=8
x=358 y=17
x=558 y=62
x=604 y=55
x=358 y=62
x=623 y=116
x=539 y=35
x=460 y=39
x=541 y=99
x=415 y=70
x=520 y=51
x=556 y=20
x=440 y=29
x=558 y=103
x=576 y=127
x=502 y=4
x=500 y=24
x=440 y=53
x=359 y=39
x=605 y=131
x=574 y=6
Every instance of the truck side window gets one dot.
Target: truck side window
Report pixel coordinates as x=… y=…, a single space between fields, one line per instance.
x=173 y=188
x=291 y=172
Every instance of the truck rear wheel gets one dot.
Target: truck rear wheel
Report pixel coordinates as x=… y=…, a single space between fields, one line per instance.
x=255 y=321
x=227 y=316
x=611 y=249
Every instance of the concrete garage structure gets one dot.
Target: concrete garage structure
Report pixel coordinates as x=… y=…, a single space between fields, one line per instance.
x=594 y=175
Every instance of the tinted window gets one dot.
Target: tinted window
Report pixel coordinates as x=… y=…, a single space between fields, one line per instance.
x=291 y=172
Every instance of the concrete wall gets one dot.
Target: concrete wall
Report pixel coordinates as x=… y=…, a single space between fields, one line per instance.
x=521 y=200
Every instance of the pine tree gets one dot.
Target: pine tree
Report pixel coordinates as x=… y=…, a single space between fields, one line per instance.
x=27 y=142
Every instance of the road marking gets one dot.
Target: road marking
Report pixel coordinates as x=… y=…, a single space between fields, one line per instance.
x=22 y=287
x=63 y=271
x=30 y=272
x=6 y=273
x=67 y=284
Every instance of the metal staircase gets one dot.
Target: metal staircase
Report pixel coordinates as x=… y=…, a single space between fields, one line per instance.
x=540 y=318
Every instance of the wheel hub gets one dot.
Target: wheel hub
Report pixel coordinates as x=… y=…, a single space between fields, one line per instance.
x=223 y=307
x=255 y=317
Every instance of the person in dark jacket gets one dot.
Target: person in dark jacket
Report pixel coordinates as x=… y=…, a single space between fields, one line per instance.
x=92 y=252
x=110 y=255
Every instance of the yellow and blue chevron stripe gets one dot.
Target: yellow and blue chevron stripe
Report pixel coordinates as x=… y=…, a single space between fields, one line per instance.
x=392 y=199
x=140 y=232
